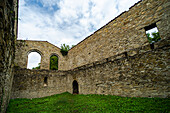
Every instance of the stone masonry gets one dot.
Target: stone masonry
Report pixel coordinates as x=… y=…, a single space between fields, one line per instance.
x=44 y=48
x=116 y=59
x=143 y=74
x=125 y=32
x=122 y=33
x=8 y=31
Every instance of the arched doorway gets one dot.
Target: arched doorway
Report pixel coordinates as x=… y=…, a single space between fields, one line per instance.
x=75 y=87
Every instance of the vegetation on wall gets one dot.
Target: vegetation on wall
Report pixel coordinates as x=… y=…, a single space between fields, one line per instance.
x=64 y=49
x=156 y=37
x=68 y=103
x=54 y=62
x=38 y=67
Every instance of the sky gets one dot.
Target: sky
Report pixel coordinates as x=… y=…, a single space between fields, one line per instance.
x=66 y=21
x=34 y=59
x=153 y=30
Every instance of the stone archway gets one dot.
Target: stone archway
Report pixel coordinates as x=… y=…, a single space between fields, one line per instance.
x=33 y=54
x=75 y=87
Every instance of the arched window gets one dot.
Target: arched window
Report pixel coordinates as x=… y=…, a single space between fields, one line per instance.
x=34 y=60
x=75 y=87
x=54 y=62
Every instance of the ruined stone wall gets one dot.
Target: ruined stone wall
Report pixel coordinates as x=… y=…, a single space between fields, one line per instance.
x=122 y=33
x=125 y=32
x=44 y=48
x=144 y=74
x=8 y=12
x=139 y=72
x=31 y=83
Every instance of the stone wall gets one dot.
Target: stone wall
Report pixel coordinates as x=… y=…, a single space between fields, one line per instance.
x=115 y=60
x=125 y=32
x=31 y=83
x=8 y=12
x=44 y=48
x=139 y=72
x=135 y=73
x=121 y=34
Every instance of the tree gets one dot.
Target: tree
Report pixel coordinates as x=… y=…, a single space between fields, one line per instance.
x=64 y=49
x=54 y=59
x=155 y=38
x=54 y=62
x=38 y=67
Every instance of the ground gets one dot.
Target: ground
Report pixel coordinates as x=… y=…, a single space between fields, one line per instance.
x=69 y=103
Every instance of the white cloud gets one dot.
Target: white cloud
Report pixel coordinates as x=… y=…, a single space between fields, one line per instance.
x=153 y=30
x=73 y=20
x=48 y=3
x=34 y=59
x=66 y=21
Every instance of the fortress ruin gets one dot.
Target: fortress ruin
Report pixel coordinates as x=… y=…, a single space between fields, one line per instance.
x=117 y=59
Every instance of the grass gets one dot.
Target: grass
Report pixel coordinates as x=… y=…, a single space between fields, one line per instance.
x=68 y=103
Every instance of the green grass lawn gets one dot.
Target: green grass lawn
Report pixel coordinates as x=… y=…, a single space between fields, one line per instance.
x=68 y=103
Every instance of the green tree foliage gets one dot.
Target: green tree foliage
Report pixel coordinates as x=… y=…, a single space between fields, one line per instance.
x=72 y=46
x=54 y=62
x=64 y=49
x=155 y=38
x=38 y=67
x=54 y=59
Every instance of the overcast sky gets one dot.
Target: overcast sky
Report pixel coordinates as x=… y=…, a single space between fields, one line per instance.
x=66 y=21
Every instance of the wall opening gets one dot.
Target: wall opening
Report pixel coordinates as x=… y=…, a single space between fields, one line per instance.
x=75 y=87
x=126 y=55
x=45 y=81
x=152 y=34
x=34 y=60
x=54 y=62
